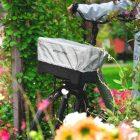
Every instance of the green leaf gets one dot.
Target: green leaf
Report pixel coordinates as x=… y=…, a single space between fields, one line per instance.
x=5 y=5
x=13 y=43
x=121 y=74
x=14 y=17
x=117 y=81
x=9 y=32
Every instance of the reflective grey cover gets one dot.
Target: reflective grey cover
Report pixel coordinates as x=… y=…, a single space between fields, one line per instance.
x=94 y=11
x=70 y=54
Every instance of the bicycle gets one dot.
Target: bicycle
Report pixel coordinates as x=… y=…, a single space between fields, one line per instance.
x=72 y=86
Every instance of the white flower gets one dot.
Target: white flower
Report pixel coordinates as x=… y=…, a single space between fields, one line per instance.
x=136 y=124
x=106 y=126
x=132 y=136
x=109 y=127
x=98 y=121
x=99 y=136
x=1 y=41
x=1 y=97
x=72 y=118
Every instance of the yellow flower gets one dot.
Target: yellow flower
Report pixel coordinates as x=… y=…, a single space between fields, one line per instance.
x=109 y=132
x=86 y=129
x=107 y=136
x=65 y=133
x=1 y=97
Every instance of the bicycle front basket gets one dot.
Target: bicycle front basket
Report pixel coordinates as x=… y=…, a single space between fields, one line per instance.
x=70 y=54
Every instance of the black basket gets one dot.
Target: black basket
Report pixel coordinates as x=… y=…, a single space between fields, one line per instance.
x=75 y=77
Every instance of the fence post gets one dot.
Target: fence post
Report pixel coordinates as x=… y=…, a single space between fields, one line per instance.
x=136 y=79
x=18 y=104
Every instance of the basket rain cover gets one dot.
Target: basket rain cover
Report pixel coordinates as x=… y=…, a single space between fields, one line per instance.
x=70 y=54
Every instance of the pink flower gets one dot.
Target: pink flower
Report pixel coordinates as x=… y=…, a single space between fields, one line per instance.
x=1 y=70
x=1 y=103
x=101 y=103
x=126 y=13
x=125 y=130
x=23 y=125
x=96 y=90
x=47 y=118
x=4 y=135
x=1 y=122
x=8 y=125
x=15 y=130
x=43 y=104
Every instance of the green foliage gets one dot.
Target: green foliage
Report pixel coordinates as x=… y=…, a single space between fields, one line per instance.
x=125 y=77
x=136 y=77
x=130 y=113
x=124 y=30
x=111 y=51
x=25 y=22
x=35 y=135
x=118 y=31
x=6 y=112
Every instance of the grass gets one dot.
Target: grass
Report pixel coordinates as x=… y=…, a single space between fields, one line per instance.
x=111 y=72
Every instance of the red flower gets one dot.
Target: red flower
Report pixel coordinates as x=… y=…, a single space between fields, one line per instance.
x=4 y=135
x=126 y=94
x=122 y=109
x=120 y=97
x=43 y=104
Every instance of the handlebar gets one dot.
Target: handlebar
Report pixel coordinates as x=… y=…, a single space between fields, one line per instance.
x=95 y=29
x=124 y=17
x=121 y=17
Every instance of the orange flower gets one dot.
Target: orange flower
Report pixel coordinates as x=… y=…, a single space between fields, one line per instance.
x=65 y=133
x=86 y=129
